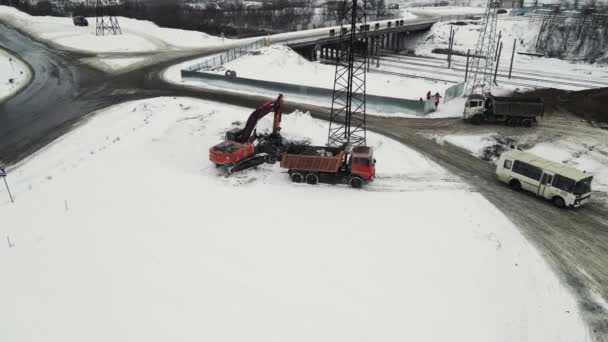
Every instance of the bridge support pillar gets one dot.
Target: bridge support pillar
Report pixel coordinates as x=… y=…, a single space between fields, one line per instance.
x=396 y=40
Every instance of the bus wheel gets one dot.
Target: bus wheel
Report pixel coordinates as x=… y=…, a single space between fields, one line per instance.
x=296 y=177
x=515 y=185
x=312 y=179
x=559 y=202
x=356 y=182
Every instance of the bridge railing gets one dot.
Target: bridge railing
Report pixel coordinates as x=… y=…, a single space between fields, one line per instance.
x=230 y=55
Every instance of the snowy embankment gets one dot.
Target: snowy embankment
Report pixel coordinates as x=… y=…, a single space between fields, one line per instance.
x=138 y=36
x=113 y=52
x=137 y=236
x=586 y=155
x=280 y=63
x=14 y=75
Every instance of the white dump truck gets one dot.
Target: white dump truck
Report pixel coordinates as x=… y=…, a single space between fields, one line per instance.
x=513 y=111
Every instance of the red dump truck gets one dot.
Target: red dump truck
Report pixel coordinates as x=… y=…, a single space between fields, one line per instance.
x=314 y=164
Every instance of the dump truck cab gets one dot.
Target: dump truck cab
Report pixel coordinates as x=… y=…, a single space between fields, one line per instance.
x=475 y=105
x=362 y=163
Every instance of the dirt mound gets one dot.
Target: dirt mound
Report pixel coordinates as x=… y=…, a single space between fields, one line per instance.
x=591 y=104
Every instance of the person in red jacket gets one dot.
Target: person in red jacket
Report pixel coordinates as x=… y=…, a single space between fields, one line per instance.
x=437 y=98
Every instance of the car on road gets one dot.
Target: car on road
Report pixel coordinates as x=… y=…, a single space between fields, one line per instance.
x=80 y=20
x=563 y=185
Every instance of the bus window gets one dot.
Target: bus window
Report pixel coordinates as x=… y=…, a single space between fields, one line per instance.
x=527 y=170
x=583 y=186
x=508 y=163
x=563 y=183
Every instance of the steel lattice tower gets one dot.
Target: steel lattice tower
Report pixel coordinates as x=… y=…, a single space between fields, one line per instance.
x=349 y=82
x=105 y=22
x=482 y=65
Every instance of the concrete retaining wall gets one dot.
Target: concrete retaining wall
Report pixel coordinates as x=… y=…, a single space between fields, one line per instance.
x=380 y=103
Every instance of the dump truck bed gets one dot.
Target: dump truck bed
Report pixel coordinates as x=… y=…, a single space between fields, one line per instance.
x=312 y=158
x=518 y=106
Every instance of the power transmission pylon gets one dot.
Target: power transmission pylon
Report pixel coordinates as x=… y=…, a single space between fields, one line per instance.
x=483 y=58
x=349 y=82
x=105 y=19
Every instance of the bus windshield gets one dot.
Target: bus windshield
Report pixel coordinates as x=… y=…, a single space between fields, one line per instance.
x=583 y=186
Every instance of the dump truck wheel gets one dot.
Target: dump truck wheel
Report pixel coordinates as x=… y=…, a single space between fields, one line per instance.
x=356 y=182
x=296 y=177
x=527 y=123
x=270 y=159
x=312 y=179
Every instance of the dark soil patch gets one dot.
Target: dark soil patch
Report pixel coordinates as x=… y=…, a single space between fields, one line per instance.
x=590 y=104
x=493 y=152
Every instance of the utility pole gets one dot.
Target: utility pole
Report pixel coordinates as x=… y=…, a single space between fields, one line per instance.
x=106 y=23
x=497 y=63
x=498 y=44
x=349 y=95
x=483 y=55
x=451 y=47
x=450 y=44
x=3 y=175
x=512 y=57
x=466 y=70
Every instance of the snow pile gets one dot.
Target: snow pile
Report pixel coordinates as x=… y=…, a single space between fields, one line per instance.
x=280 y=63
x=138 y=36
x=478 y=145
x=14 y=74
x=137 y=236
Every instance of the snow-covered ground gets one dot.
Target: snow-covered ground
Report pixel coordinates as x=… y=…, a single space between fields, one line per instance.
x=14 y=74
x=123 y=230
x=582 y=153
x=138 y=36
x=279 y=63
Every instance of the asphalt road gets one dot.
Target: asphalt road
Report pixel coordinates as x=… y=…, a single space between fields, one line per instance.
x=63 y=92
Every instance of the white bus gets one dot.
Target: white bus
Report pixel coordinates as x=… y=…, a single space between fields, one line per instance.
x=565 y=186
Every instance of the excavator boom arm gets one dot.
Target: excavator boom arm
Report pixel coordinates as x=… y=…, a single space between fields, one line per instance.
x=275 y=106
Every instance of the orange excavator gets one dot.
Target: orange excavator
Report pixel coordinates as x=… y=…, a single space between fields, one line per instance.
x=238 y=151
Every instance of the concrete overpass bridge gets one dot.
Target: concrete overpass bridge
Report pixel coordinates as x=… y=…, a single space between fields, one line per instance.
x=390 y=34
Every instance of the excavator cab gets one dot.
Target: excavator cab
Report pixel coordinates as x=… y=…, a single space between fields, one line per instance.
x=362 y=163
x=229 y=153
